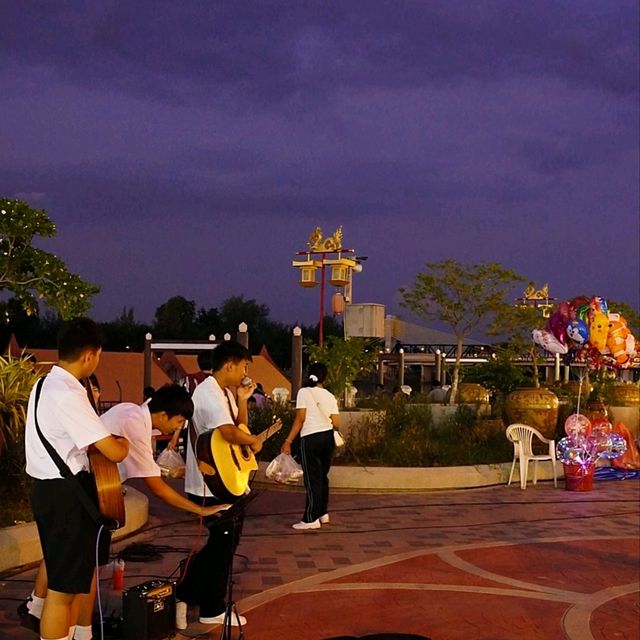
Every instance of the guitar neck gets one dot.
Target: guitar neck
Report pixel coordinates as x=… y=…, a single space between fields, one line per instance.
x=269 y=431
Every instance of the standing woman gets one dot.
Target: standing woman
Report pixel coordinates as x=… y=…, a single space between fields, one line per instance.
x=316 y=418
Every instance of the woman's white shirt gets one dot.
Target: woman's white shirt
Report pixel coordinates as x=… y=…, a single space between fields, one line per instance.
x=319 y=405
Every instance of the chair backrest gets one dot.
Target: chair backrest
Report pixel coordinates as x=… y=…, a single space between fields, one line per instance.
x=522 y=434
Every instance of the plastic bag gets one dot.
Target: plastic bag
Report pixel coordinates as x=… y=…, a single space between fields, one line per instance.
x=171 y=464
x=284 y=469
x=338 y=438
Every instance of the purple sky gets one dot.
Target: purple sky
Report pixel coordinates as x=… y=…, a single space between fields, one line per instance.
x=191 y=147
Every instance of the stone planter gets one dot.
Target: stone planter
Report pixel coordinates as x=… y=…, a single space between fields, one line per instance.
x=536 y=407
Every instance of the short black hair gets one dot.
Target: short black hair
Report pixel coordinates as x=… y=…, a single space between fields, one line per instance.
x=174 y=400
x=229 y=350
x=319 y=372
x=78 y=335
x=204 y=360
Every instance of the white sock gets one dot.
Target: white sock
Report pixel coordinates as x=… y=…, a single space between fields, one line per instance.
x=35 y=606
x=71 y=632
x=83 y=633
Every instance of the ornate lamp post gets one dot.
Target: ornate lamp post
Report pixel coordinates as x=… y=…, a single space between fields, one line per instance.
x=321 y=253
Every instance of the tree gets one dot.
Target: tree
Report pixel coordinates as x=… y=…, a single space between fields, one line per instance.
x=345 y=360
x=467 y=298
x=32 y=274
x=176 y=320
x=516 y=322
x=125 y=333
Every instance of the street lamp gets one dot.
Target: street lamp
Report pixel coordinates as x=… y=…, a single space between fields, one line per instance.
x=324 y=252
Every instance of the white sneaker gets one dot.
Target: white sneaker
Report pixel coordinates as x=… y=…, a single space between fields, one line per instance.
x=325 y=519
x=219 y=619
x=306 y=525
x=181 y=615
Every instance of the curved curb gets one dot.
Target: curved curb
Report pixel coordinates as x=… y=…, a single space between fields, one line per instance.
x=422 y=478
x=20 y=544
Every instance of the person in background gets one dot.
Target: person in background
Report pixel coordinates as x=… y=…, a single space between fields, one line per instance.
x=437 y=395
x=316 y=417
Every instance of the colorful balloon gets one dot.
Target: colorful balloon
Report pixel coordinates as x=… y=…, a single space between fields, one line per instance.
x=598 y=330
x=578 y=332
x=557 y=325
x=577 y=425
x=615 y=446
x=617 y=339
x=548 y=341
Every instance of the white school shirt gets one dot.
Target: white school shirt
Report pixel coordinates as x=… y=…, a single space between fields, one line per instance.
x=316 y=418
x=133 y=421
x=212 y=408
x=67 y=420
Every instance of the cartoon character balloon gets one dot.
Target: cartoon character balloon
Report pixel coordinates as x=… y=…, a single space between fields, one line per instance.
x=548 y=341
x=578 y=332
x=617 y=338
x=598 y=330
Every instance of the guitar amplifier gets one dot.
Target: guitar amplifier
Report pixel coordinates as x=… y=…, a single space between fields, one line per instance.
x=149 y=610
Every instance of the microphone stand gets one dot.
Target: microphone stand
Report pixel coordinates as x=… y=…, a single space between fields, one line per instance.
x=235 y=515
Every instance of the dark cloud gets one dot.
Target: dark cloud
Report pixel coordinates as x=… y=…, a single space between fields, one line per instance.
x=156 y=133
x=299 y=53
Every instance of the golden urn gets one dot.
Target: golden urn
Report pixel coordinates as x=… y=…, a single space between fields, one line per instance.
x=536 y=407
x=625 y=395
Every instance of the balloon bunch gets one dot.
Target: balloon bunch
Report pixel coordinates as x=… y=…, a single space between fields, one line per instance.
x=587 y=440
x=584 y=330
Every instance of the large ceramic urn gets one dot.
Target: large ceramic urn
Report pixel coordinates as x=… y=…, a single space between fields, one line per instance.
x=470 y=393
x=625 y=406
x=536 y=407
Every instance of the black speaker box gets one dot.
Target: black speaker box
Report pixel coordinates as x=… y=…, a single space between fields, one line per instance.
x=149 y=610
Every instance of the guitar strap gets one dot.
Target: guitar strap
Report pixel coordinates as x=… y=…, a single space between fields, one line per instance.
x=85 y=499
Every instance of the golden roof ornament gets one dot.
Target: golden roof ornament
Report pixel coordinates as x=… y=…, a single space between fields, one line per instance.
x=317 y=242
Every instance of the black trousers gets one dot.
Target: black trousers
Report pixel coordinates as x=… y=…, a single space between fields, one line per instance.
x=316 y=451
x=204 y=580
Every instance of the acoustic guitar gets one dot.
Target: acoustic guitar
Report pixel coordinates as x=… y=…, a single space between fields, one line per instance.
x=107 y=476
x=226 y=467
x=109 y=487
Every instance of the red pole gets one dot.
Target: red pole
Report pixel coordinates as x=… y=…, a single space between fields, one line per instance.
x=321 y=323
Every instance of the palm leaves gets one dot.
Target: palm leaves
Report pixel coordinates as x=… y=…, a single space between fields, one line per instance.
x=16 y=380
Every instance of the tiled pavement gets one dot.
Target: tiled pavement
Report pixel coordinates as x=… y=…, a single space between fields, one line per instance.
x=481 y=564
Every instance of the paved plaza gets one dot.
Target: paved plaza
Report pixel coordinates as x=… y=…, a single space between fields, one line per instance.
x=493 y=563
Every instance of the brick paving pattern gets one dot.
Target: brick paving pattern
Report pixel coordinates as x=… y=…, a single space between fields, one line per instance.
x=482 y=564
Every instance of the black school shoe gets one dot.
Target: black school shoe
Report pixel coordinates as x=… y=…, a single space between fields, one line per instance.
x=28 y=620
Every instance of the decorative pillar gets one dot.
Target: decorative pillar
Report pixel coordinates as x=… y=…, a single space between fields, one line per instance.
x=147 y=360
x=296 y=362
x=243 y=335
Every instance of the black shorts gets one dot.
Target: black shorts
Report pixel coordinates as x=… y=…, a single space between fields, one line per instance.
x=68 y=534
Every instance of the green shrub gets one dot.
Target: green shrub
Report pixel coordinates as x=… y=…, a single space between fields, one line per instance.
x=405 y=436
x=16 y=381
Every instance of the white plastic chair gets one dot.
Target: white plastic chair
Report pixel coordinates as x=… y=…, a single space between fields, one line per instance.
x=522 y=436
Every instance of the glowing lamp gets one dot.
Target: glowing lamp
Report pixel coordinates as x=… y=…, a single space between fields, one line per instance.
x=308 y=270
x=340 y=269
